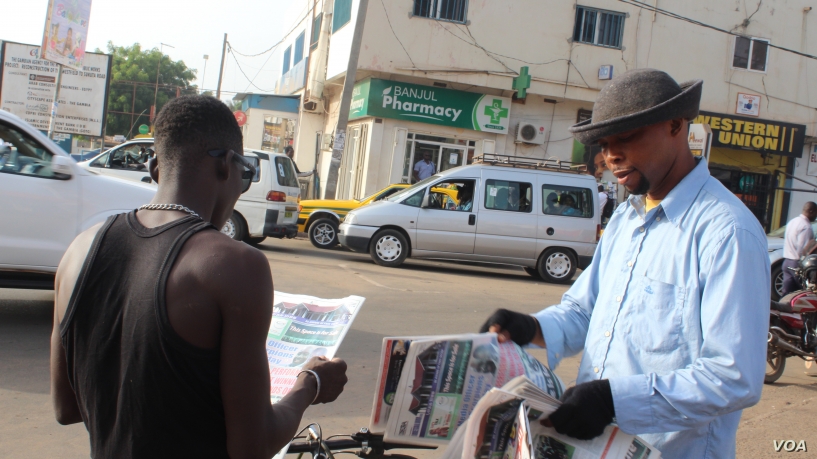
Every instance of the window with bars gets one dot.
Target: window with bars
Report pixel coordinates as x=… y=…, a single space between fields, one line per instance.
x=750 y=54
x=446 y=10
x=598 y=27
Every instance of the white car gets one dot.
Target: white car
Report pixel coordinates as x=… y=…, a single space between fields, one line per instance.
x=269 y=208
x=46 y=200
x=776 y=239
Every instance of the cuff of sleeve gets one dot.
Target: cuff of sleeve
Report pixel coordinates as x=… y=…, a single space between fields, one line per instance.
x=631 y=401
x=554 y=338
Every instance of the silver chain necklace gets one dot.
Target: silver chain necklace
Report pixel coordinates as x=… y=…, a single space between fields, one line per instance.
x=169 y=207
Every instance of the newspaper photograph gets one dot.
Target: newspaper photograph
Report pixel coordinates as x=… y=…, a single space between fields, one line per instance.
x=442 y=379
x=303 y=327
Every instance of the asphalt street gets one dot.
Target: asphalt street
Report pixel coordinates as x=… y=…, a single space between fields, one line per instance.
x=419 y=298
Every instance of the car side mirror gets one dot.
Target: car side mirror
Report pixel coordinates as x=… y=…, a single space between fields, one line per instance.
x=426 y=201
x=146 y=179
x=61 y=167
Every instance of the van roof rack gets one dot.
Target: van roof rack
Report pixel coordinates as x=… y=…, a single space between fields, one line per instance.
x=550 y=164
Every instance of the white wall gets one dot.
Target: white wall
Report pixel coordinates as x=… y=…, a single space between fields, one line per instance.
x=340 y=45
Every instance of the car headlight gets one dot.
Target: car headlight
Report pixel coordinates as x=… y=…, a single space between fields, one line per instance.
x=349 y=219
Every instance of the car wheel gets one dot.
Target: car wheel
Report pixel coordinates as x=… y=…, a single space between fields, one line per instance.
x=557 y=265
x=777 y=281
x=533 y=272
x=234 y=227
x=389 y=248
x=323 y=233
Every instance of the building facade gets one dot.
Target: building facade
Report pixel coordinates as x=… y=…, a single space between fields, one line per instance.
x=438 y=76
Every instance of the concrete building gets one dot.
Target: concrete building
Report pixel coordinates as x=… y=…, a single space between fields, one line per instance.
x=438 y=76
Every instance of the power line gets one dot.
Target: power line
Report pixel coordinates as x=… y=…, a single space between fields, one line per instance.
x=308 y=11
x=395 y=34
x=230 y=50
x=654 y=9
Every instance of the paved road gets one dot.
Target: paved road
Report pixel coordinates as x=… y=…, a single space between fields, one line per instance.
x=419 y=298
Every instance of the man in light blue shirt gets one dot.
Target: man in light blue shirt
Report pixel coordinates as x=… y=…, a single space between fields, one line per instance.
x=673 y=312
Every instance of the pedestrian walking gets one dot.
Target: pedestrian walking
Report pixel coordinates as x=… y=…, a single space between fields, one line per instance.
x=161 y=320
x=673 y=312
x=799 y=240
x=602 y=199
x=290 y=152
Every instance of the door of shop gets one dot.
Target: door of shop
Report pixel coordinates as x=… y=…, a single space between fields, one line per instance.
x=444 y=156
x=350 y=175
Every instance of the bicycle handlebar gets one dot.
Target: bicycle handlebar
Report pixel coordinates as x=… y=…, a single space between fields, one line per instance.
x=363 y=439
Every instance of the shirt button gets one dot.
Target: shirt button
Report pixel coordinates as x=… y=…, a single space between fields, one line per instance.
x=618 y=299
x=596 y=369
x=641 y=229
x=607 y=334
x=630 y=264
x=658 y=219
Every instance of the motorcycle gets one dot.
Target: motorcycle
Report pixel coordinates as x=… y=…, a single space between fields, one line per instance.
x=793 y=323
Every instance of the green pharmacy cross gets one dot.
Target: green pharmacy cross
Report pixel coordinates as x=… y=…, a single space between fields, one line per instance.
x=522 y=83
x=496 y=111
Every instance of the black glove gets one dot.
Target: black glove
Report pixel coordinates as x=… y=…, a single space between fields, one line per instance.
x=521 y=327
x=585 y=411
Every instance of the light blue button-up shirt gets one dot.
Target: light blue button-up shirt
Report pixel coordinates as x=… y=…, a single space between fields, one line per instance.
x=674 y=312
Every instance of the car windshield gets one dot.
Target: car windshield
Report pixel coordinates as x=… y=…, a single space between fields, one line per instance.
x=781 y=232
x=410 y=190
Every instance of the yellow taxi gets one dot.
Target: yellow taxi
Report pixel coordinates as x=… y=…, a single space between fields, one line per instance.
x=320 y=217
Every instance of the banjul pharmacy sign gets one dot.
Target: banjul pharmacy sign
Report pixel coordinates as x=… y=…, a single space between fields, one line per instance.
x=428 y=104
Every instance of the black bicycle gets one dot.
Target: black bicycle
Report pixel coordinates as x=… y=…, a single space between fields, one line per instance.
x=362 y=444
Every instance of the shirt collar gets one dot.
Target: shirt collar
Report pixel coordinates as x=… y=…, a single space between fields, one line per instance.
x=676 y=203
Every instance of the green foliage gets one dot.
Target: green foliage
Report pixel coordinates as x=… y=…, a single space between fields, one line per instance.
x=132 y=64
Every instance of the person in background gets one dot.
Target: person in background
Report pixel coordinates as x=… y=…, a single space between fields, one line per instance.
x=602 y=198
x=465 y=196
x=553 y=206
x=599 y=166
x=569 y=206
x=290 y=152
x=424 y=168
x=799 y=240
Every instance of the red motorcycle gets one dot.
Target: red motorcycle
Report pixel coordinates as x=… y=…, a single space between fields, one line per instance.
x=793 y=323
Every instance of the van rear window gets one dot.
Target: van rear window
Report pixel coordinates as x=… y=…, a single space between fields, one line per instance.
x=285 y=172
x=567 y=201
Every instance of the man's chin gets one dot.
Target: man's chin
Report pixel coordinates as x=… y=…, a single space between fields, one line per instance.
x=640 y=188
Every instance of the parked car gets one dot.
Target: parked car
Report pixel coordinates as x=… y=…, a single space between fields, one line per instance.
x=84 y=156
x=540 y=216
x=47 y=200
x=776 y=239
x=268 y=208
x=321 y=217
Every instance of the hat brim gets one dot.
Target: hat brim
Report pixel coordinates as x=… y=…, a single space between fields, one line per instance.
x=684 y=105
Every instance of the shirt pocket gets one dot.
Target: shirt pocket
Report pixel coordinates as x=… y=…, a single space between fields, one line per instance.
x=656 y=316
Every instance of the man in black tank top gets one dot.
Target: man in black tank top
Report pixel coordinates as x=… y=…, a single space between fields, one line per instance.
x=161 y=321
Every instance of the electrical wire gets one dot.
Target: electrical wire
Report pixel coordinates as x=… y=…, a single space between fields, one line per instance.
x=388 y=20
x=230 y=50
x=308 y=11
x=664 y=12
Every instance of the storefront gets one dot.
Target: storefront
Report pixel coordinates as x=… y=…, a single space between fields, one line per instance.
x=751 y=157
x=393 y=124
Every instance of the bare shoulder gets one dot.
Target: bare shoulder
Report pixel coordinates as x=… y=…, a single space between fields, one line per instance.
x=71 y=265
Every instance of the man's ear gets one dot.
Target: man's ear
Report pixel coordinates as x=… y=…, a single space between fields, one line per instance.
x=223 y=166
x=153 y=169
x=678 y=126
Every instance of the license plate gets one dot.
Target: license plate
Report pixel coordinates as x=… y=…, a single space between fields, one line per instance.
x=287 y=214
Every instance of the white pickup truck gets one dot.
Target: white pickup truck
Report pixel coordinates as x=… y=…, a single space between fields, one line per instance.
x=46 y=200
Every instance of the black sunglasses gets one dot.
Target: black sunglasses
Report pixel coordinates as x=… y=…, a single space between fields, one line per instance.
x=249 y=168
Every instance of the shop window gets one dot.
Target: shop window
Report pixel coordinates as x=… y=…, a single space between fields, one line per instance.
x=567 y=201
x=750 y=54
x=508 y=196
x=598 y=27
x=287 y=60
x=446 y=153
x=299 y=49
x=342 y=14
x=316 y=30
x=444 y=10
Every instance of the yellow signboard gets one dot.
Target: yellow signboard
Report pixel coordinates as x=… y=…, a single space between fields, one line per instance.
x=768 y=136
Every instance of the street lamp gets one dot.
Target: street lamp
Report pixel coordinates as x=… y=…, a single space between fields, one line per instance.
x=158 y=66
x=205 y=71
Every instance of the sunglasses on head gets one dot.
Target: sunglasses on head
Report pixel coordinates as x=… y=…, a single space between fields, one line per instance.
x=249 y=168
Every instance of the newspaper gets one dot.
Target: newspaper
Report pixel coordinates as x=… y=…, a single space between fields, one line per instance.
x=303 y=327
x=490 y=433
x=440 y=379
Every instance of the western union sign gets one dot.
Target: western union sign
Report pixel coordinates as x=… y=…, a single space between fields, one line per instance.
x=767 y=136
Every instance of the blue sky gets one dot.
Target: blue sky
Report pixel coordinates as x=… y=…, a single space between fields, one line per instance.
x=193 y=27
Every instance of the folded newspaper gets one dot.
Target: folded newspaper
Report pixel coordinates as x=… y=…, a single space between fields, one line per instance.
x=303 y=327
x=427 y=386
x=505 y=425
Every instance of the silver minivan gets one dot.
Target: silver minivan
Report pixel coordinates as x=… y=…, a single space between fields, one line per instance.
x=541 y=215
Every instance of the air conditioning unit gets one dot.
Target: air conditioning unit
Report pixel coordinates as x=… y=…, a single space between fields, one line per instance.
x=313 y=106
x=530 y=132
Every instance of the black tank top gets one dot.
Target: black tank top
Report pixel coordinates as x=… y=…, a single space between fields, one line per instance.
x=143 y=391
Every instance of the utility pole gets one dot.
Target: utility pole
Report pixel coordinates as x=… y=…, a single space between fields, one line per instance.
x=221 y=69
x=345 y=101
x=204 y=73
x=52 y=123
x=158 y=67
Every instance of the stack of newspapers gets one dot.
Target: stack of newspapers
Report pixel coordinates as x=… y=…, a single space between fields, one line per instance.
x=481 y=400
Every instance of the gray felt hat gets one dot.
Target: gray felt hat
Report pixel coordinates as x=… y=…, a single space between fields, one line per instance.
x=638 y=98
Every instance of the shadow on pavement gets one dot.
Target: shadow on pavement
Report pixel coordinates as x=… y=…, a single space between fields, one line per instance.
x=25 y=329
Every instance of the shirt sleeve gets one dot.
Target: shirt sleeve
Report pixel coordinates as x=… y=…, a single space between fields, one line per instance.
x=417 y=166
x=728 y=375
x=804 y=236
x=564 y=326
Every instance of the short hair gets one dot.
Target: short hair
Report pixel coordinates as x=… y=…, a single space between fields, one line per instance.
x=288 y=149
x=188 y=126
x=601 y=187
